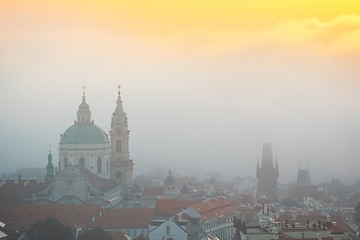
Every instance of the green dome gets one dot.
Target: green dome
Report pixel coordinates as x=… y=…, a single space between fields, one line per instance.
x=84 y=134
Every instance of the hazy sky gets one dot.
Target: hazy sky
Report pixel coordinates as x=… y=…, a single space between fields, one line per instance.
x=204 y=83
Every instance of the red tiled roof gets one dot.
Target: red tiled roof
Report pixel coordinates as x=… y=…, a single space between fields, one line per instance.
x=124 y=218
x=20 y=191
x=153 y=192
x=340 y=227
x=168 y=207
x=22 y=216
x=343 y=226
x=301 y=219
x=215 y=208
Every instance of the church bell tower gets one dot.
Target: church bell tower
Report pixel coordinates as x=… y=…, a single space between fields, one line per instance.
x=121 y=167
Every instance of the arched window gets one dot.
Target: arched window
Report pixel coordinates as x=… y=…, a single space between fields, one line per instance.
x=118 y=174
x=65 y=162
x=118 y=146
x=82 y=161
x=99 y=164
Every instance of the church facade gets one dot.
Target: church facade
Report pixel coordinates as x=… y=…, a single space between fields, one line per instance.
x=93 y=168
x=87 y=145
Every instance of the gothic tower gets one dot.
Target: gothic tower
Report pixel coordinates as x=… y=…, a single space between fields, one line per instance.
x=267 y=174
x=121 y=167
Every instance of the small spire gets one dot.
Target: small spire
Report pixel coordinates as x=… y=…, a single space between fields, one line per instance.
x=83 y=97
x=49 y=155
x=49 y=167
x=119 y=95
x=119 y=114
x=119 y=91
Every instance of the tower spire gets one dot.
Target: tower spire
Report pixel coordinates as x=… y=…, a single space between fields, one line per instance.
x=83 y=97
x=121 y=166
x=49 y=167
x=84 y=114
x=119 y=116
x=119 y=97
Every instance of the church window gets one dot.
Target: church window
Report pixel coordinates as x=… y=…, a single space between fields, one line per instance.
x=118 y=174
x=82 y=162
x=65 y=162
x=167 y=230
x=99 y=165
x=118 y=146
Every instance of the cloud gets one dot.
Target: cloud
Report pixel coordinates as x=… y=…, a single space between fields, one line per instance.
x=340 y=35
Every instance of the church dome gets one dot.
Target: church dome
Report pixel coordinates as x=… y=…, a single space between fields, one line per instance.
x=84 y=134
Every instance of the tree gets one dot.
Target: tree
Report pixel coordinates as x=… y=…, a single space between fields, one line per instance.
x=96 y=234
x=50 y=228
x=357 y=215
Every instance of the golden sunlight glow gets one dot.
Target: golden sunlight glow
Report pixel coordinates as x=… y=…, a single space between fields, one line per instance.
x=203 y=26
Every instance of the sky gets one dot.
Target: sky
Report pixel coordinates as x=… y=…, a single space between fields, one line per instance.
x=204 y=83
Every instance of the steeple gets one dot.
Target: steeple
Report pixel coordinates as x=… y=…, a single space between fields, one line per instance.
x=119 y=116
x=267 y=157
x=267 y=174
x=84 y=114
x=49 y=167
x=121 y=167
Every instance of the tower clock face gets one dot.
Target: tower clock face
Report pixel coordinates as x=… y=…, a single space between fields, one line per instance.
x=118 y=130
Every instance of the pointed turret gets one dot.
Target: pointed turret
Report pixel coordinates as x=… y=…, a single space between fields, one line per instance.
x=49 y=167
x=84 y=114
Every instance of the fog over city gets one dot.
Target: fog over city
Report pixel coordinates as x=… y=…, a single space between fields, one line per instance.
x=194 y=104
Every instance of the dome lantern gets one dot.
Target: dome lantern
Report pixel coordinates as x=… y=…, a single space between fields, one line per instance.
x=84 y=114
